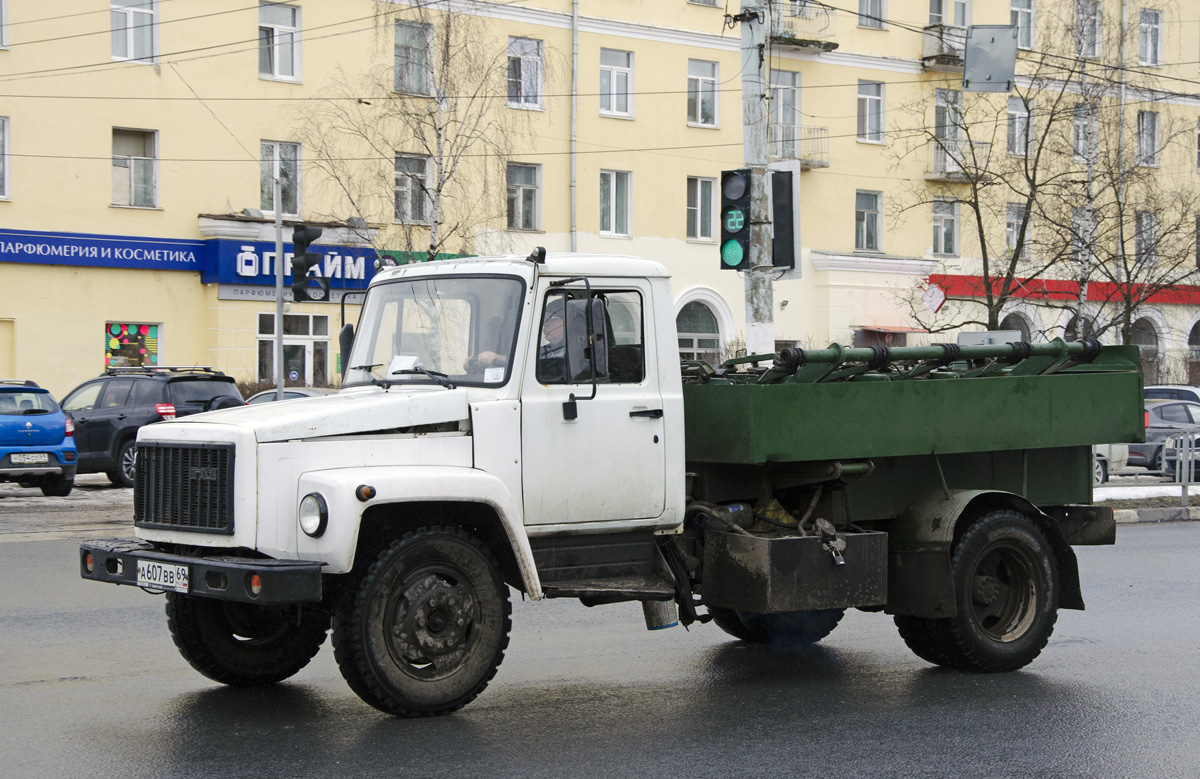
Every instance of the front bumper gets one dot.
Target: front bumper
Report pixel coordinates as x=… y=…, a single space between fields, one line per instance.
x=225 y=578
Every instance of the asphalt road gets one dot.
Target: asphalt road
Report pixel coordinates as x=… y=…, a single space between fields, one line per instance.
x=91 y=685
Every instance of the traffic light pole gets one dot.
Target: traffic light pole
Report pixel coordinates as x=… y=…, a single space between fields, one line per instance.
x=760 y=315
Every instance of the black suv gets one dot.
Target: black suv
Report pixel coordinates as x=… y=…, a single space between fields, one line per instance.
x=109 y=410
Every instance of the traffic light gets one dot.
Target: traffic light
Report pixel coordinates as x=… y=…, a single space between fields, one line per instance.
x=735 y=219
x=303 y=260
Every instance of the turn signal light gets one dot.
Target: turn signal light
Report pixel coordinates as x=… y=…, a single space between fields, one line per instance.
x=89 y=564
x=165 y=410
x=364 y=492
x=255 y=584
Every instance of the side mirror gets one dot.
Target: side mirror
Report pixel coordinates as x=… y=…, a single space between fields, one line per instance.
x=345 y=344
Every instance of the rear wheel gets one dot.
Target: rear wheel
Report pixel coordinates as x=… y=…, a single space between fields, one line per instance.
x=1099 y=470
x=789 y=627
x=242 y=644
x=426 y=629
x=58 y=486
x=123 y=474
x=1005 y=582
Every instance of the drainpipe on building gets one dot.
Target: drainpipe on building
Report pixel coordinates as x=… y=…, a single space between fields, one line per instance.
x=760 y=316
x=574 y=112
x=277 y=197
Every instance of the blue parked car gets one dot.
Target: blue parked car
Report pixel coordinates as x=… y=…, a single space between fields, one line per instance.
x=37 y=440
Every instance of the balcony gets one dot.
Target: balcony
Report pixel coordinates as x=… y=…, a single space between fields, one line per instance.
x=956 y=160
x=809 y=145
x=802 y=24
x=942 y=47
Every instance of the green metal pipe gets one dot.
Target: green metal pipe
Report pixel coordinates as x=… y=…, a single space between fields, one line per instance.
x=838 y=355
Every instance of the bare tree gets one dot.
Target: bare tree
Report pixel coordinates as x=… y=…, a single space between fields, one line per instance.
x=1061 y=181
x=416 y=146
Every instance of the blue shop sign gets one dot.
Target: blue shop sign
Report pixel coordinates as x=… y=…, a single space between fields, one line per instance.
x=101 y=251
x=253 y=262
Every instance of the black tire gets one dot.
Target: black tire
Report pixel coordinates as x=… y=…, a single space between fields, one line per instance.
x=426 y=629
x=241 y=644
x=58 y=486
x=123 y=474
x=1099 y=470
x=1005 y=581
x=789 y=627
x=223 y=401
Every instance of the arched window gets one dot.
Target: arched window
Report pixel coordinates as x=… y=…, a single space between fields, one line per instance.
x=1018 y=323
x=1072 y=332
x=699 y=337
x=1145 y=335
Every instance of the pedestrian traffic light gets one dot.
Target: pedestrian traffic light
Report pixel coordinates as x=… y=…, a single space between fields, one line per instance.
x=303 y=261
x=735 y=219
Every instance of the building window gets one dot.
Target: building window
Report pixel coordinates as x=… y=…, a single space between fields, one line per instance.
x=129 y=344
x=870 y=13
x=714 y=3
x=616 y=82
x=702 y=93
x=3 y=24
x=783 y=127
x=1145 y=239
x=524 y=73
x=700 y=208
x=412 y=196
x=278 y=41
x=4 y=158
x=1022 y=15
x=866 y=221
x=945 y=227
x=134 y=171
x=1014 y=218
x=523 y=201
x=1020 y=125
x=1087 y=128
x=1147 y=138
x=133 y=31
x=1087 y=28
x=949 y=12
x=412 y=59
x=305 y=349
x=699 y=335
x=284 y=157
x=614 y=202
x=870 y=111
x=1150 y=37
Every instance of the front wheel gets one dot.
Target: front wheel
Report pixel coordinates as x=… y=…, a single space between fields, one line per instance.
x=1005 y=582
x=123 y=474
x=241 y=644
x=1099 y=471
x=426 y=629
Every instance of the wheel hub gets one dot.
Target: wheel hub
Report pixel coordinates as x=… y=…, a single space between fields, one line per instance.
x=986 y=590
x=432 y=622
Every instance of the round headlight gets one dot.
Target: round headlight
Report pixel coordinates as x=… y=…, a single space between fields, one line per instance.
x=314 y=514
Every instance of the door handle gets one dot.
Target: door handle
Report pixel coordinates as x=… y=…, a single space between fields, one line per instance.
x=652 y=413
x=119 y=418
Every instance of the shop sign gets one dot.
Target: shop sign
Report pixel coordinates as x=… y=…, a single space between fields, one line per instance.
x=101 y=251
x=252 y=263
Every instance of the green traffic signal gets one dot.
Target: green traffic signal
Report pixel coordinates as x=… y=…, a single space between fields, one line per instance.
x=732 y=254
x=735 y=220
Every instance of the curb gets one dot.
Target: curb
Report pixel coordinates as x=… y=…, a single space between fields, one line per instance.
x=1174 y=514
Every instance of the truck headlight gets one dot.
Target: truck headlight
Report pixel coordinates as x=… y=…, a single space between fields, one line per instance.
x=314 y=514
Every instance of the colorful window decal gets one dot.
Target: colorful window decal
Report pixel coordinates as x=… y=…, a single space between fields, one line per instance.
x=130 y=344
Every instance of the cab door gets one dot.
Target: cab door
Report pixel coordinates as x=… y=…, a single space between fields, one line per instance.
x=603 y=460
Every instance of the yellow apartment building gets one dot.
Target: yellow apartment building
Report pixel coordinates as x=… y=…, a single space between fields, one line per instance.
x=139 y=142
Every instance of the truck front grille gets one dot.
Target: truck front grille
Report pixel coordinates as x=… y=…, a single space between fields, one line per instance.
x=184 y=486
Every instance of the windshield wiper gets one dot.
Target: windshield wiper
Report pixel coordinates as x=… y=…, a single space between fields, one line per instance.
x=437 y=376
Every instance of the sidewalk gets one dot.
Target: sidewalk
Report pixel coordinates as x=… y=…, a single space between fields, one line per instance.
x=1174 y=492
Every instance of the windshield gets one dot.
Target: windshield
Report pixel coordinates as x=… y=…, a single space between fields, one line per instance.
x=461 y=329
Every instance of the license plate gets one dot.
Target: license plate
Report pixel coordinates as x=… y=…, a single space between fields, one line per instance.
x=161 y=576
x=26 y=459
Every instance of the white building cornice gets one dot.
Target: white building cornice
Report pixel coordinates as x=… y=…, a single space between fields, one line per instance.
x=871 y=263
